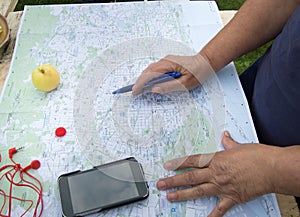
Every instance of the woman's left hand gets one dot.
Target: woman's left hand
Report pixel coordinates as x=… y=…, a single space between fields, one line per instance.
x=236 y=175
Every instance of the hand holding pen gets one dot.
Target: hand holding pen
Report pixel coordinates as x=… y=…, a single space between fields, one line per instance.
x=194 y=71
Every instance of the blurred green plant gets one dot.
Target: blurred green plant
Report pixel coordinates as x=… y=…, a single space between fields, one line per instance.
x=229 y=4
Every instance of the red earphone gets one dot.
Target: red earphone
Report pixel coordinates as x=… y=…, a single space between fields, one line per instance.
x=13 y=172
x=35 y=164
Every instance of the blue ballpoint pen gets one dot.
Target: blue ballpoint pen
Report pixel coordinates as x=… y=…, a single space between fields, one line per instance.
x=160 y=79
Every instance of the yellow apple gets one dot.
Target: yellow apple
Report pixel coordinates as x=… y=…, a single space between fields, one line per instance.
x=45 y=78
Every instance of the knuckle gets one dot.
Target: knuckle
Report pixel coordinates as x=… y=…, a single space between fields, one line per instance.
x=190 y=178
x=152 y=66
x=170 y=182
x=190 y=161
x=220 y=209
x=198 y=191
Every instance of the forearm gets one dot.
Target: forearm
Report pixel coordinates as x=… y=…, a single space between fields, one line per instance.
x=287 y=171
x=257 y=22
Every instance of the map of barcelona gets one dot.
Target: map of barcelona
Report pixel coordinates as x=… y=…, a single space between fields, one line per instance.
x=98 y=48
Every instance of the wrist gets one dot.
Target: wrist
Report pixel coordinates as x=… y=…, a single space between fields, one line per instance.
x=286 y=169
x=266 y=161
x=204 y=54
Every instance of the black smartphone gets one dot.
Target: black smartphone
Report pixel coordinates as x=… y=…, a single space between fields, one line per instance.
x=102 y=187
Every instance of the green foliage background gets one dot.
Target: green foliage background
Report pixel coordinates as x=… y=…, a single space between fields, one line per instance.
x=241 y=63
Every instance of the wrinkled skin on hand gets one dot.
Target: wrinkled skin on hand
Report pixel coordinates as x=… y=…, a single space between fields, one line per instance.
x=236 y=175
x=194 y=69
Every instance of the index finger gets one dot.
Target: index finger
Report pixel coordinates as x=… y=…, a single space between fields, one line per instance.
x=192 y=161
x=188 y=178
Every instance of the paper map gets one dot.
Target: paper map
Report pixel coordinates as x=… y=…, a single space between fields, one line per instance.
x=98 y=48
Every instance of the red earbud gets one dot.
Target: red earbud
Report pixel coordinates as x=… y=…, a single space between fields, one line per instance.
x=35 y=164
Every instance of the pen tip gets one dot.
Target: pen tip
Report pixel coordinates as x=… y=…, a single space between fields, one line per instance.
x=116 y=92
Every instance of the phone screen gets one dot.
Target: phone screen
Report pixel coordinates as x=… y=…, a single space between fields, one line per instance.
x=103 y=186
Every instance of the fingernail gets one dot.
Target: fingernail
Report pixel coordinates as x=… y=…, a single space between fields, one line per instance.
x=168 y=165
x=161 y=185
x=172 y=196
x=226 y=133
